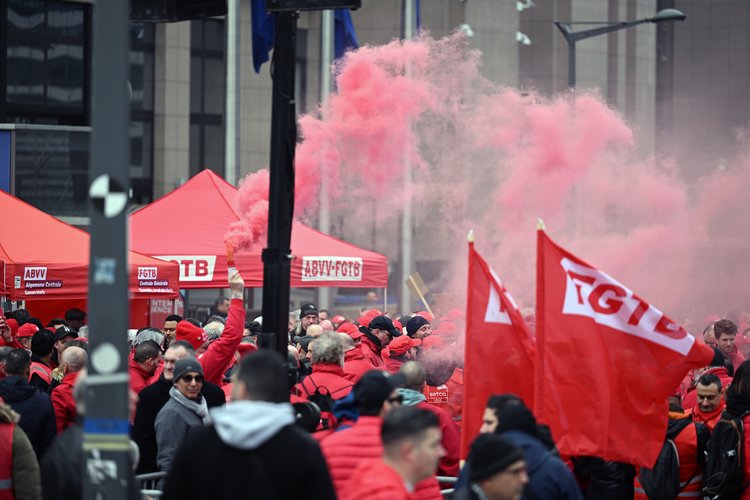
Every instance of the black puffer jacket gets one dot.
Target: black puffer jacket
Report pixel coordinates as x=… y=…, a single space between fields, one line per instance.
x=606 y=480
x=35 y=408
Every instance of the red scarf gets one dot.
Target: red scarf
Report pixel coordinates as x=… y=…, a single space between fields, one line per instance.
x=707 y=418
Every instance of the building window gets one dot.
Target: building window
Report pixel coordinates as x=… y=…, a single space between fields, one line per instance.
x=46 y=47
x=207 y=84
x=141 y=79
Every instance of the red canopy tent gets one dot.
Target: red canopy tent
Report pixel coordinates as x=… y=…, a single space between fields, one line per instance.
x=188 y=226
x=44 y=258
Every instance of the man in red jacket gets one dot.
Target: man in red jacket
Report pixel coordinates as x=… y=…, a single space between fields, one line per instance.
x=72 y=361
x=355 y=364
x=411 y=452
x=327 y=369
x=216 y=357
x=375 y=395
x=412 y=392
x=377 y=336
x=710 y=404
x=143 y=365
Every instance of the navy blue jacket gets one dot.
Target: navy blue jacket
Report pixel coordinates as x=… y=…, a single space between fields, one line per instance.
x=549 y=477
x=35 y=408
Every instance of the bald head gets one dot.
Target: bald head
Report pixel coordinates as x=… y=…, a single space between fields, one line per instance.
x=74 y=359
x=314 y=330
x=346 y=341
x=414 y=375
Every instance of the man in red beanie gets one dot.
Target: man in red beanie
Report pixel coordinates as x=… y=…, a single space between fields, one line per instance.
x=217 y=356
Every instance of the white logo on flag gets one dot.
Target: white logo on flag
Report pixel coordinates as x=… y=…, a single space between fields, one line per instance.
x=596 y=295
x=496 y=312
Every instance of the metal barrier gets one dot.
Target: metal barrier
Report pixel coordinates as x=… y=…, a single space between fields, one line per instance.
x=447 y=480
x=149 y=484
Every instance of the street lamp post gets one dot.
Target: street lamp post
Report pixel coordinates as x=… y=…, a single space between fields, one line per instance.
x=606 y=27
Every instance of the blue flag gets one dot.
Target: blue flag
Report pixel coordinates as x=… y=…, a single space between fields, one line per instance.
x=345 y=38
x=263 y=29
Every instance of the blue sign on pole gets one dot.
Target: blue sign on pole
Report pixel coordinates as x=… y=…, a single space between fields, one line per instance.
x=5 y=160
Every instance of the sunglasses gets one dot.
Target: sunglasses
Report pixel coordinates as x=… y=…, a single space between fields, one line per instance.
x=190 y=378
x=396 y=399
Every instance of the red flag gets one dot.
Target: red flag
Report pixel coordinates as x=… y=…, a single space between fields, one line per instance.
x=606 y=361
x=499 y=352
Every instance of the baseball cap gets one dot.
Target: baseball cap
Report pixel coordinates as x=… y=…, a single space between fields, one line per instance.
x=303 y=341
x=384 y=323
x=371 y=391
x=402 y=344
x=62 y=332
x=351 y=330
x=27 y=330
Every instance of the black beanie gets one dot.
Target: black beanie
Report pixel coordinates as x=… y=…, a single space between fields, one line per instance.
x=415 y=324
x=490 y=454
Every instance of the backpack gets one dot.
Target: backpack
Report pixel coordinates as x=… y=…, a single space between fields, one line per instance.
x=662 y=482
x=323 y=398
x=724 y=471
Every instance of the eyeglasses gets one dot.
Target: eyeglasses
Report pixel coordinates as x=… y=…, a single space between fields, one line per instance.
x=396 y=399
x=190 y=378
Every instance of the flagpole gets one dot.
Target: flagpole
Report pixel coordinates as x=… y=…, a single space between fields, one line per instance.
x=406 y=220
x=232 y=101
x=326 y=58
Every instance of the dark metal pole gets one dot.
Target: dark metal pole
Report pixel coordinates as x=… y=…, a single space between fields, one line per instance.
x=571 y=64
x=277 y=255
x=664 y=82
x=106 y=469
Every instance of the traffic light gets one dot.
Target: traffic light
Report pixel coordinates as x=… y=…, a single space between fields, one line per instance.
x=158 y=11
x=291 y=5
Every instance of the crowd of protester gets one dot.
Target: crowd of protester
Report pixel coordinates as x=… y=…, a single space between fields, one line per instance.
x=361 y=408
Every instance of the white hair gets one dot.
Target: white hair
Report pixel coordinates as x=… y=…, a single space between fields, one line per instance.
x=213 y=330
x=148 y=334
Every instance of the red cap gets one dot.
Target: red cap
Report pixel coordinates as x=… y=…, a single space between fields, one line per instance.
x=193 y=334
x=245 y=349
x=400 y=345
x=372 y=313
x=397 y=324
x=338 y=319
x=364 y=320
x=13 y=325
x=429 y=317
x=27 y=330
x=350 y=329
